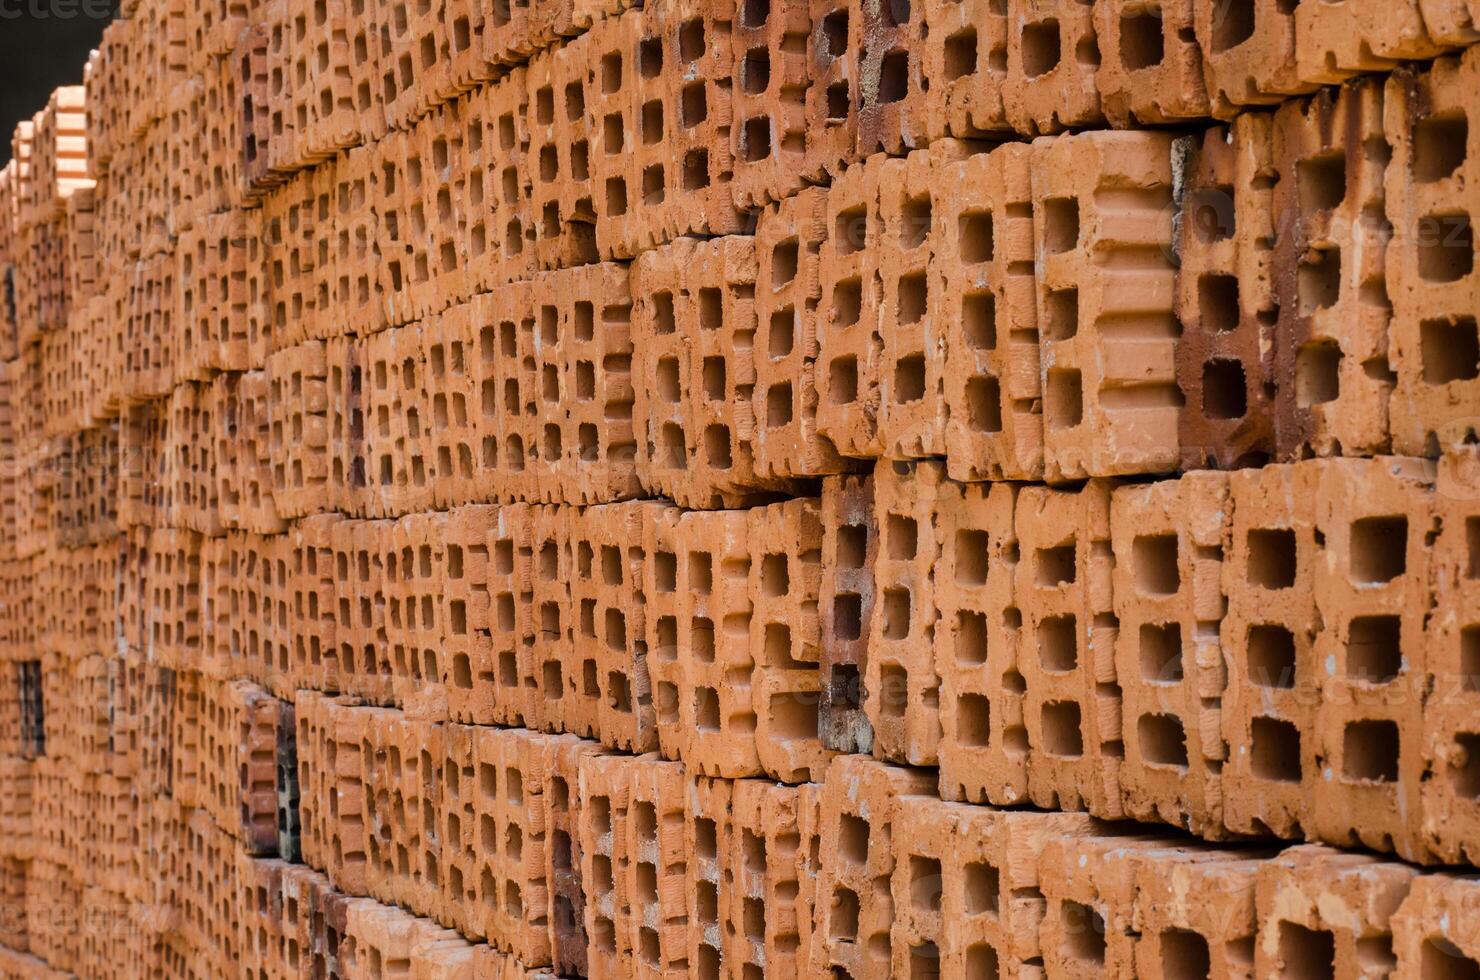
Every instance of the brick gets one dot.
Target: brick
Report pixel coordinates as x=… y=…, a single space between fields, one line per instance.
x=238 y=755
x=1297 y=896
x=561 y=208
x=1169 y=540
x=1248 y=52
x=832 y=103
x=769 y=85
x=709 y=845
x=966 y=885
x=1052 y=74
x=785 y=542
x=1072 y=703
x=1225 y=295
x=1110 y=398
x=496 y=205
x=313 y=601
x=850 y=545
x=565 y=819
x=860 y=812
x=768 y=863
x=1429 y=267
x=1331 y=369
x=985 y=306
x=694 y=332
x=353 y=250
x=1152 y=72
x=1433 y=929
x=298 y=400
x=891 y=78
x=1332 y=46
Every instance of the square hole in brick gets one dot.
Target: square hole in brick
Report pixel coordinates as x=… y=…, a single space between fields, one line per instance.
x=1060 y=214
x=974 y=235
x=973 y=721
x=1065 y=408
x=847 y=302
x=896 y=614
x=671 y=451
x=1184 y=955
x=850 y=230
x=843 y=916
x=972 y=557
x=696 y=169
x=714 y=378
x=701 y=639
x=781 y=334
x=1379 y=549
x=1321 y=180
x=1042 y=50
x=902 y=535
x=652 y=122
x=652 y=185
x=833 y=31
x=1450 y=350
x=717 y=446
x=914 y=298
x=852 y=548
x=1224 y=393
x=755 y=139
x=1057 y=565
x=1317 y=373
x=1233 y=24
x=909 y=379
x=667 y=379
x=1318 y=280
x=1141 y=41
x=1162 y=740
x=971 y=638
x=847 y=616
x=1058 y=643
x=894 y=691
x=1374 y=649
x=706 y=710
x=616 y=197
x=915 y=221
x=784 y=259
x=1160 y=650
x=1464 y=766
x=926 y=883
x=755 y=71
x=1270 y=650
x=1275 y=750
x=1441 y=959
x=778 y=405
x=853 y=838
x=1084 y=932
x=1271 y=558
x=1439 y=145
x=981 y=888
x=1370 y=751
x=893 y=77
x=984 y=404
x=775 y=576
x=961 y=54
x=842 y=376
x=979 y=320
x=1062 y=315
x=1469 y=658
x=1154 y=558
x=1446 y=247
x=844 y=688
x=1307 y=953
x=1062 y=735
x=1218 y=302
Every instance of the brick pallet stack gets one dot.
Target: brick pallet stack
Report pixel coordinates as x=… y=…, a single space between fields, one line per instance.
x=795 y=488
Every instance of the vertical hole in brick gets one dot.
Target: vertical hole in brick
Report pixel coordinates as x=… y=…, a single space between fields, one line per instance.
x=691 y=40
x=909 y=379
x=960 y=54
x=893 y=691
x=1464 y=765
x=611 y=79
x=1065 y=407
x=1041 y=48
x=701 y=639
x=1056 y=566
x=853 y=835
x=1450 y=350
x=1062 y=314
x=1224 y=389
x=1271 y=656
x=1233 y=24
x=1184 y=955
x=852 y=547
x=984 y=404
x=837 y=100
x=778 y=405
x=971 y=638
x=1374 y=649
x=1271 y=559
x=979 y=320
x=652 y=122
x=1439 y=145
x=1058 y=643
x=1318 y=280
x=616 y=196
x=1275 y=752
x=668 y=386
x=781 y=335
x=1163 y=740
x=834 y=33
x=784 y=262
x=843 y=380
x=755 y=71
x=1379 y=549
x=896 y=614
x=755 y=139
x=701 y=572
x=1160 y=648
x=981 y=962
x=755 y=12
x=1446 y=247
x=1218 y=302
x=850 y=230
x=847 y=616
x=974 y=234
x=1317 y=373
x=706 y=709
x=717 y=446
x=1084 y=932
x=753 y=914
x=925 y=883
x=1155 y=561
x=775 y=576
x=1141 y=41
x=693 y=105
x=714 y=378
x=1322 y=181
x=1060 y=220
x=1440 y=959
x=652 y=185
x=672 y=453
x=847 y=302
x=914 y=222
x=902 y=535
x=981 y=889
x=973 y=721
x=1370 y=751
x=844 y=917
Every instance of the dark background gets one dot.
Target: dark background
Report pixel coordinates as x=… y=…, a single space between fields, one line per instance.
x=37 y=54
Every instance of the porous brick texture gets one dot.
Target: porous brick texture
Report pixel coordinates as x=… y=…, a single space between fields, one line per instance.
x=744 y=488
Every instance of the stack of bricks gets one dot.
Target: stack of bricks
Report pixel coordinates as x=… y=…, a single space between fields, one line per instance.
x=807 y=487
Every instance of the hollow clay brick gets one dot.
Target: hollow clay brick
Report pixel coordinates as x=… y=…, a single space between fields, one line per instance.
x=561 y=179
x=850 y=544
x=965 y=62
x=966 y=886
x=1434 y=927
x=1071 y=703
x=1430 y=262
x=709 y=844
x=1053 y=62
x=452 y=402
x=860 y=815
x=405 y=848
x=695 y=581
x=1248 y=50
x=769 y=85
x=498 y=216
x=1331 y=369
x=694 y=334
x=789 y=239
x=412 y=561
x=550 y=708
x=1102 y=235
x=1333 y=45
x=985 y=307
x=1327 y=911
x=1152 y=67
x=1225 y=295
x=1191 y=911
x=564 y=818
x=767 y=866
x=891 y=77
x=984 y=739
x=833 y=83
x=1169 y=539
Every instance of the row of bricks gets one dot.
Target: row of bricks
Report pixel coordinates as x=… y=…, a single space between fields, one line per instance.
x=1201 y=651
